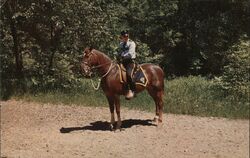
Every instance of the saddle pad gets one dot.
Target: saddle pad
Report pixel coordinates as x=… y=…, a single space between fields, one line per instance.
x=122 y=73
x=138 y=76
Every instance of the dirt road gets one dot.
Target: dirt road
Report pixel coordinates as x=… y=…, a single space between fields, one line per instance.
x=31 y=130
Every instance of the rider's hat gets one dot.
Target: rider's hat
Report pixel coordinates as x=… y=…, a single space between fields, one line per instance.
x=124 y=33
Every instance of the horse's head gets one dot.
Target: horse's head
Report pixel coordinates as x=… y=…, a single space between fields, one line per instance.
x=89 y=60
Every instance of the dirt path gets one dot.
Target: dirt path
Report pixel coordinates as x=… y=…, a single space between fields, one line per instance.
x=30 y=130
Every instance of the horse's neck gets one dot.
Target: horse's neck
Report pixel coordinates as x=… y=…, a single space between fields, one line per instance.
x=104 y=62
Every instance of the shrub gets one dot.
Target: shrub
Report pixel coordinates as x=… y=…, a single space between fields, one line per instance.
x=235 y=77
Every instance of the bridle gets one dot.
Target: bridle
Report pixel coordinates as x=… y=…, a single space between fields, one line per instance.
x=96 y=67
x=110 y=67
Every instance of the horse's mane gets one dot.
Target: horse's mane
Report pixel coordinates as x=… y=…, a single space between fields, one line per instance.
x=99 y=53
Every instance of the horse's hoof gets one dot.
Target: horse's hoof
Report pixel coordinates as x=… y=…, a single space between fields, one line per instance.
x=112 y=127
x=156 y=120
x=118 y=130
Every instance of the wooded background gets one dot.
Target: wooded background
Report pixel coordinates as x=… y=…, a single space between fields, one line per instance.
x=42 y=40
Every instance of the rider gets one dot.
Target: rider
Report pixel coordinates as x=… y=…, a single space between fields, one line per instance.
x=127 y=55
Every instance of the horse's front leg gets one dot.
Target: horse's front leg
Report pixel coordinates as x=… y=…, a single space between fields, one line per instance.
x=111 y=101
x=117 y=108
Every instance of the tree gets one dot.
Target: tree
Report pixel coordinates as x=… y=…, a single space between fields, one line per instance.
x=235 y=76
x=42 y=41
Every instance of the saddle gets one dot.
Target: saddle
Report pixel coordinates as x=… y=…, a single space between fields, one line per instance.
x=137 y=74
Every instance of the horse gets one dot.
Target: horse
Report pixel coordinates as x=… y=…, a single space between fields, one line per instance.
x=113 y=88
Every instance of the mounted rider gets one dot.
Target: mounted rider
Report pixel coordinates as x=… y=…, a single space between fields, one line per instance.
x=127 y=55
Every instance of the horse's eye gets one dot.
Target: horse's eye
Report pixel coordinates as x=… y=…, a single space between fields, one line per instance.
x=86 y=55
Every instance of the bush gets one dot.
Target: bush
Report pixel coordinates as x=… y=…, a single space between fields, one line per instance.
x=200 y=96
x=235 y=77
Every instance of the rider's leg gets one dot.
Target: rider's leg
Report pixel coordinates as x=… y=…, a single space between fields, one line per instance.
x=128 y=63
x=131 y=83
x=130 y=80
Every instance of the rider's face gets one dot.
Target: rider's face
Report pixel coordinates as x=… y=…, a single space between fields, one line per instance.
x=123 y=38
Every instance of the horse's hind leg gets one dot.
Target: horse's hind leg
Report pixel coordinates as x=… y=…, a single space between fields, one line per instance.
x=158 y=99
x=160 y=105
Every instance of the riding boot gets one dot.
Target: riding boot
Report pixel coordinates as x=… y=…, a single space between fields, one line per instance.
x=133 y=88
x=131 y=91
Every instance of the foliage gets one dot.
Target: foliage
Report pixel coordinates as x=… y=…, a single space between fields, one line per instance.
x=192 y=38
x=236 y=76
x=50 y=38
x=42 y=41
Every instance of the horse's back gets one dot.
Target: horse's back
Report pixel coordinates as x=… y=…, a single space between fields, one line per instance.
x=153 y=68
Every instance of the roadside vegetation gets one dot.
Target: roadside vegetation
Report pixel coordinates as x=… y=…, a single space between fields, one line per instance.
x=185 y=95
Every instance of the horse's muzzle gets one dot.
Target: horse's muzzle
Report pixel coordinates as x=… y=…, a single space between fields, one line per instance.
x=86 y=71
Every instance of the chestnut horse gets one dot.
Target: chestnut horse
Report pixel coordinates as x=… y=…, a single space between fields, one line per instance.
x=113 y=88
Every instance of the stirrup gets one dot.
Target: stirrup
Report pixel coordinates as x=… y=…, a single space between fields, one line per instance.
x=129 y=95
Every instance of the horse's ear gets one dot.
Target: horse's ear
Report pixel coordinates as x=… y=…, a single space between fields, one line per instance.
x=91 y=48
x=87 y=51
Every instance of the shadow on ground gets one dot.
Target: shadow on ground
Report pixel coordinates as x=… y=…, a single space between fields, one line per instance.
x=105 y=126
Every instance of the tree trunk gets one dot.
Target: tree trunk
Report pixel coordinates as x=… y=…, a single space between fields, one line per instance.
x=17 y=53
x=54 y=41
x=52 y=46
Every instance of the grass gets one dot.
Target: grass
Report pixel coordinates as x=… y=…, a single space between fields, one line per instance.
x=198 y=96
x=187 y=95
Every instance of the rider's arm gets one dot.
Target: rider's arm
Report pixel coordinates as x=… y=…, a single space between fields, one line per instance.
x=131 y=50
x=130 y=53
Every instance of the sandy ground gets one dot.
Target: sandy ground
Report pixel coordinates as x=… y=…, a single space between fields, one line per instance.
x=31 y=130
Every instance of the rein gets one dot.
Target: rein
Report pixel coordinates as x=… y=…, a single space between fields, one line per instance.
x=99 y=80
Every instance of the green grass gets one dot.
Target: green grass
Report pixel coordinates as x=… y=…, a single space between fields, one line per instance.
x=187 y=95
x=198 y=96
